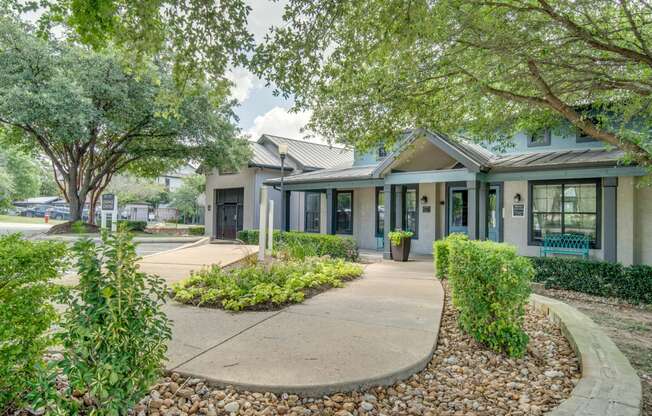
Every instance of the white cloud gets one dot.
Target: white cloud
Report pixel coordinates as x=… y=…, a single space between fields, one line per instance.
x=264 y=14
x=281 y=122
x=244 y=81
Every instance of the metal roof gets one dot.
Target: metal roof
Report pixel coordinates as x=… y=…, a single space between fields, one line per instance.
x=557 y=159
x=341 y=173
x=265 y=158
x=311 y=155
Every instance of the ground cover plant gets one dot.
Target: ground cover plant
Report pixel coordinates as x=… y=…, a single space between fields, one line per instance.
x=599 y=278
x=27 y=271
x=490 y=287
x=264 y=286
x=315 y=244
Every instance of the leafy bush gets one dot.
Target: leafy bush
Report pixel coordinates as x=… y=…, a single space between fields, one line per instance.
x=440 y=254
x=196 y=230
x=490 y=287
x=397 y=236
x=263 y=287
x=26 y=272
x=129 y=225
x=599 y=278
x=114 y=332
x=316 y=244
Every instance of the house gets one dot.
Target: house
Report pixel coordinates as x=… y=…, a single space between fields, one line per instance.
x=173 y=180
x=232 y=198
x=434 y=185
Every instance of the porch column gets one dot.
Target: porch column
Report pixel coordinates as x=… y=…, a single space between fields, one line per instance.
x=609 y=246
x=387 y=192
x=285 y=211
x=330 y=197
x=472 y=209
x=482 y=210
x=398 y=205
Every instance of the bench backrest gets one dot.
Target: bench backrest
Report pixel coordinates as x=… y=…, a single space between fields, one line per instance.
x=568 y=241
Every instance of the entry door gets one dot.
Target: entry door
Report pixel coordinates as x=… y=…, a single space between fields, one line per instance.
x=228 y=212
x=458 y=210
x=494 y=213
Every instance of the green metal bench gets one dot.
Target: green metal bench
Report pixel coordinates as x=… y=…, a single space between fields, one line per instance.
x=573 y=244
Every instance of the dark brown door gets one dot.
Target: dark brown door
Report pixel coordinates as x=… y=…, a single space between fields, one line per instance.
x=229 y=210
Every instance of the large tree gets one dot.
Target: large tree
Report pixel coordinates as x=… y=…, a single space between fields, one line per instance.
x=370 y=68
x=23 y=173
x=93 y=116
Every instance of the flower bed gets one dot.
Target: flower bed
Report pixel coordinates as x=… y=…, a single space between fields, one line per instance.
x=463 y=378
x=264 y=287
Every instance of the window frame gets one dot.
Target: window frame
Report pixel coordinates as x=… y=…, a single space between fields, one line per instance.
x=547 y=136
x=336 y=196
x=404 y=211
x=381 y=152
x=379 y=190
x=305 y=212
x=598 y=208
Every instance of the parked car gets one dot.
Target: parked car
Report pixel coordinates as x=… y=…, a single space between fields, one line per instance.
x=35 y=211
x=58 y=213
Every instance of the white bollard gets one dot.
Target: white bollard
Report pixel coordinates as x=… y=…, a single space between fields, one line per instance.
x=262 y=225
x=270 y=227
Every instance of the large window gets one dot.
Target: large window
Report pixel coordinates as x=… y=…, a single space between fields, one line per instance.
x=411 y=209
x=313 y=212
x=380 y=212
x=565 y=207
x=539 y=138
x=344 y=212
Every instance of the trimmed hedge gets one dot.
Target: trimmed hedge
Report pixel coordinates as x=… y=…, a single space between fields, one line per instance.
x=196 y=230
x=490 y=287
x=599 y=278
x=318 y=244
x=440 y=254
x=130 y=225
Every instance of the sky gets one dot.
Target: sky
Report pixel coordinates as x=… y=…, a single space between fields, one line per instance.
x=260 y=111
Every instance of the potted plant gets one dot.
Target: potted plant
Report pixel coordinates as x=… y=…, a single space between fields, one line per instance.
x=400 y=243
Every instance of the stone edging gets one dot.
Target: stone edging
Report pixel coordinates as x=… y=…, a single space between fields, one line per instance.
x=609 y=385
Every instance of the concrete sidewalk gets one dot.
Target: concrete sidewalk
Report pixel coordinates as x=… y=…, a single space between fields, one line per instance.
x=176 y=265
x=376 y=330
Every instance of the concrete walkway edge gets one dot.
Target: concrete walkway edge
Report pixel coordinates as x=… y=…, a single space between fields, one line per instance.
x=609 y=385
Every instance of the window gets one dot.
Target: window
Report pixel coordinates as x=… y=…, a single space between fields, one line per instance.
x=313 y=212
x=539 y=138
x=380 y=212
x=582 y=137
x=565 y=207
x=382 y=153
x=344 y=212
x=411 y=209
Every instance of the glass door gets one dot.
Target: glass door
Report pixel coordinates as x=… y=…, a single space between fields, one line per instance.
x=458 y=210
x=494 y=213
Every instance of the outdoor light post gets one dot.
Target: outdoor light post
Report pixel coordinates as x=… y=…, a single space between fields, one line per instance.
x=282 y=152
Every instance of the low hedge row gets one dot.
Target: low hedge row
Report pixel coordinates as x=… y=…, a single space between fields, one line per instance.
x=196 y=230
x=490 y=287
x=440 y=253
x=130 y=225
x=599 y=278
x=318 y=244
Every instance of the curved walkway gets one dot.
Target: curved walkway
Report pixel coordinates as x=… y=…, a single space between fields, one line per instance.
x=376 y=330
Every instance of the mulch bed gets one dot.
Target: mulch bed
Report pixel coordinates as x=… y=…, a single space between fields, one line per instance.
x=463 y=378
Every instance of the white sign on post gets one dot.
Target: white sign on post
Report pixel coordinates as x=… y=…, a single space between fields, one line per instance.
x=109 y=206
x=262 y=224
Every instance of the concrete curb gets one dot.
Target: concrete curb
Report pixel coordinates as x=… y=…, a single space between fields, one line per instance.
x=319 y=390
x=609 y=385
x=140 y=240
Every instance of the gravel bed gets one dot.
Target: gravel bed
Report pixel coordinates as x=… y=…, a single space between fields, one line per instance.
x=463 y=378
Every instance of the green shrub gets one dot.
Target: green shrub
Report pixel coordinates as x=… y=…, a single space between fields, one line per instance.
x=490 y=287
x=262 y=287
x=129 y=225
x=196 y=230
x=317 y=244
x=440 y=254
x=599 y=278
x=113 y=333
x=26 y=272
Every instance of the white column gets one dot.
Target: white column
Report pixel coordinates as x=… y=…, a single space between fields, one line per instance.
x=270 y=227
x=262 y=224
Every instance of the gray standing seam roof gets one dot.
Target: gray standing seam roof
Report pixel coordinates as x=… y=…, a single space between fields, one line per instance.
x=312 y=155
x=263 y=157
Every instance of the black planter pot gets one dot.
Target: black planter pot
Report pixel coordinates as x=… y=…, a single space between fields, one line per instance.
x=401 y=252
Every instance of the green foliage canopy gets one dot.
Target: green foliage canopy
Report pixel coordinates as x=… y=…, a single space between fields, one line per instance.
x=184 y=199
x=371 y=68
x=23 y=172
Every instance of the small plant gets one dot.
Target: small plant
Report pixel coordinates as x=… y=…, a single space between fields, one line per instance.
x=262 y=287
x=397 y=236
x=26 y=272
x=490 y=285
x=78 y=227
x=130 y=225
x=196 y=230
x=113 y=333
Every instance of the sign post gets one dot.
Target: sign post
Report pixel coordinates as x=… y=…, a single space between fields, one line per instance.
x=109 y=206
x=270 y=227
x=262 y=225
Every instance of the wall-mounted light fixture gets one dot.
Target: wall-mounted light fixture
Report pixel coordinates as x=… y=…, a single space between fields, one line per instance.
x=517 y=198
x=424 y=199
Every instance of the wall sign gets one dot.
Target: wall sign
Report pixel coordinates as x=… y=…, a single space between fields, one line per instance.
x=425 y=208
x=518 y=210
